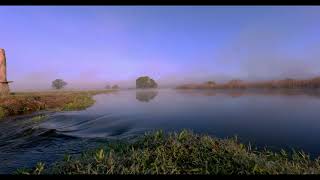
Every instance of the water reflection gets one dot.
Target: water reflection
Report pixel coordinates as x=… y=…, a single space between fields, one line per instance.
x=146 y=95
x=277 y=118
x=236 y=94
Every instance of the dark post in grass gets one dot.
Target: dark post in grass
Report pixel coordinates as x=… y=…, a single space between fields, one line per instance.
x=4 y=84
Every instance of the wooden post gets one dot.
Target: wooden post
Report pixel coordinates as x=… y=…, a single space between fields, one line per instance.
x=4 y=84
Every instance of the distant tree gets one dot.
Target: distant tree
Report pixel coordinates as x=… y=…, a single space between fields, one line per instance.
x=315 y=82
x=107 y=87
x=58 y=84
x=236 y=83
x=210 y=83
x=145 y=82
x=115 y=87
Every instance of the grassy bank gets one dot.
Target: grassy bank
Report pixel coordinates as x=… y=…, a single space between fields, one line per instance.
x=27 y=102
x=313 y=83
x=181 y=153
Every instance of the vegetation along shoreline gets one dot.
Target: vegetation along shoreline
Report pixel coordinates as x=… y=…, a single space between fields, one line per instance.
x=180 y=153
x=21 y=103
x=288 y=83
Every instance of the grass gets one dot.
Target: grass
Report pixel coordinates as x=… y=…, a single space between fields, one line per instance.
x=28 y=102
x=2 y=112
x=181 y=153
x=39 y=118
x=79 y=102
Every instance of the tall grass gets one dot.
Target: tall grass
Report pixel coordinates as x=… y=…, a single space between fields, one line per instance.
x=182 y=153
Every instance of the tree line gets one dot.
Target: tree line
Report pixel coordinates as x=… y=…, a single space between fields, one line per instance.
x=60 y=83
x=239 y=84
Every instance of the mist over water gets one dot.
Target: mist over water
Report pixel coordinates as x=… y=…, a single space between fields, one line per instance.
x=91 y=47
x=277 y=119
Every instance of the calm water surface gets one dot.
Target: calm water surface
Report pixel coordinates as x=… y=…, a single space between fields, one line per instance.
x=277 y=119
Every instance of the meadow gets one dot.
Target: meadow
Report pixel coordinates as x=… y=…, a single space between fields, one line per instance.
x=19 y=103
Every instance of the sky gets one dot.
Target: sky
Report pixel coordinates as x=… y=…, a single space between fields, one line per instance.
x=92 y=46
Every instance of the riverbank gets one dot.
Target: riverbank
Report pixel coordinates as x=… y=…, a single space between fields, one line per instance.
x=288 y=83
x=20 y=103
x=181 y=153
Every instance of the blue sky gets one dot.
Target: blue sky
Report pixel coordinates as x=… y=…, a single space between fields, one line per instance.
x=90 y=46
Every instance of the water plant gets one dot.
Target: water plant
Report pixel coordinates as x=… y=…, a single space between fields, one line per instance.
x=39 y=118
x=2 y=112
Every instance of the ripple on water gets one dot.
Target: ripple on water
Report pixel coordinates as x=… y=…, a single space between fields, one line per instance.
x=265 y=118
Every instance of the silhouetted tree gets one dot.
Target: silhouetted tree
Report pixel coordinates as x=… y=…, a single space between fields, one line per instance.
x=210 y=83
x=236 y=83
x=58 y=84
x=115 y=87
x=145 y=82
